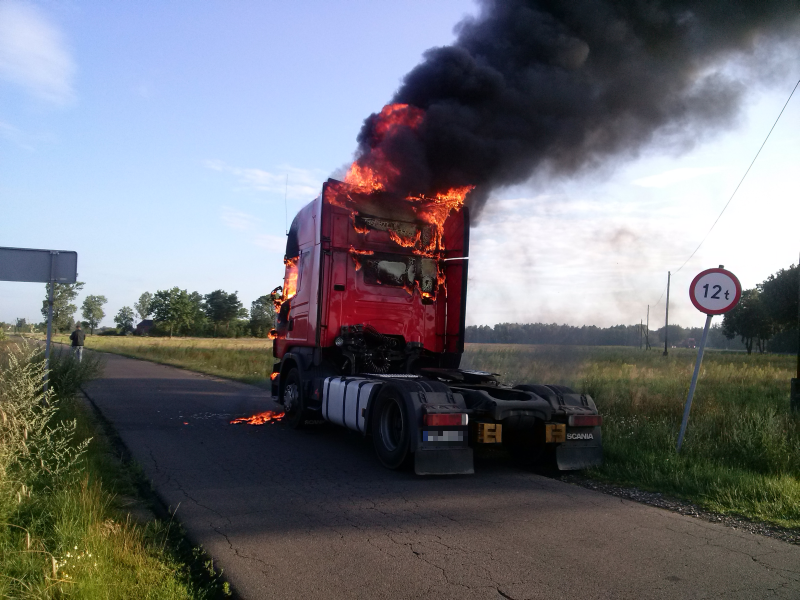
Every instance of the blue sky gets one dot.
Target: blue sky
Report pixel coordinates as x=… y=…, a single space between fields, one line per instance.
x=154 y=138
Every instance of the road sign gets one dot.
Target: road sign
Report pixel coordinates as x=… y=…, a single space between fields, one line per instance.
x=43 y=266
x=715 y=291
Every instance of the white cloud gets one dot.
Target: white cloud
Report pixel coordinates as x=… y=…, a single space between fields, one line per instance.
x=675 y=176
x=236 y=219
x=303 y=184
x=33 y=54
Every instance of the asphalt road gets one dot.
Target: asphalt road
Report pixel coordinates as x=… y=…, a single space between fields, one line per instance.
x=311 y=514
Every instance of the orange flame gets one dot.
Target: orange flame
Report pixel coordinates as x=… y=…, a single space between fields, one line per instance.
x=274 y=376
x=380 y=173
x=262 y=418
x=289 y=280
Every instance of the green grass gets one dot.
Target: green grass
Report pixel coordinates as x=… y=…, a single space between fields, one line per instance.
x=244 y=359
x=63 y=531
x=741 y=454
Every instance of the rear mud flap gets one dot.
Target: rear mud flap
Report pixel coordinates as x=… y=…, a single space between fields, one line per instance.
x=443 y=461
x=574 y=458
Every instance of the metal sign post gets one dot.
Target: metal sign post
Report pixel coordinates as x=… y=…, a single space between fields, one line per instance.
x=714 y=292
x=43 y=266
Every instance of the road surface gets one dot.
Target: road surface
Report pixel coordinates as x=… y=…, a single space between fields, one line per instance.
x=311 y=514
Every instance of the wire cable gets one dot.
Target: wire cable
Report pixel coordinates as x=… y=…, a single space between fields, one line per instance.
x=734 y=191
x=742 y=179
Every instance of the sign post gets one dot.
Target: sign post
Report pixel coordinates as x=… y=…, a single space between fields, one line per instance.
x=43 y=266
x=714 y=292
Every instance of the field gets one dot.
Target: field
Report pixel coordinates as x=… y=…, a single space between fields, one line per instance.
x=742 y=450
x=245 y=359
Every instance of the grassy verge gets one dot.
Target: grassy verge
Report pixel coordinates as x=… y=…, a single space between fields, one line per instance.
x=244 y=359
x=742 y=450
x=63 y=531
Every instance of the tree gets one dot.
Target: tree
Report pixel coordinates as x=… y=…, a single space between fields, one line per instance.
x=174 y=308
x=222 y=307
x=124 y=319
x=20 y=326
x=749 y=320
x=262 y=316
x=144 y=307
x=198 y=311
x=63 y=309
x=92 y=310
x=779 y=292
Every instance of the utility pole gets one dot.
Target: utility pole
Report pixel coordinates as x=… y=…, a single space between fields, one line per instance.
x=666 y=319
x=640 y=334
x=647 y=331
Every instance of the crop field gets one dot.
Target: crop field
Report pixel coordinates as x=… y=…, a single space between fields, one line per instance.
x=742 y=450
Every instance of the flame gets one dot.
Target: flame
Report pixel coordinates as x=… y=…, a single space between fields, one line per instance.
x=380 y=173
x=374 y=172
x=274 y=376
x=290 y=278
x=269 y=416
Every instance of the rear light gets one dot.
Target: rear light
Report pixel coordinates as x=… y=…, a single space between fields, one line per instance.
x=445 y=420
x=585 y=421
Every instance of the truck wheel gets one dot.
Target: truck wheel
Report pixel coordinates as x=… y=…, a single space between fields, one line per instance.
x=294 y=404
x=391 y=431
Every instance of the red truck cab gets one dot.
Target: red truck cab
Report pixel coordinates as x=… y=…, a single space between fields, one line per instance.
x=370 y=262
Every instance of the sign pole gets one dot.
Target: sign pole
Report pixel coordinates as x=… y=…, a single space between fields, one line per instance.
x=666 y=318
x=713 y=292
x=688 y=406
x=51 y=291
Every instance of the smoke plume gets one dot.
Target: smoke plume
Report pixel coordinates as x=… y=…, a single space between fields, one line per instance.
x=560 y=86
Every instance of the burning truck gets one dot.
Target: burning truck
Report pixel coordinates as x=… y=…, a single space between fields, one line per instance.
x=370 y=332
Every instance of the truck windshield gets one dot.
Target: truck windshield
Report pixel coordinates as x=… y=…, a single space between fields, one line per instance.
x=398 y=271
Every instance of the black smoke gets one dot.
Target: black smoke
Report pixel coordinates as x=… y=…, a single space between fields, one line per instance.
x=561 y=86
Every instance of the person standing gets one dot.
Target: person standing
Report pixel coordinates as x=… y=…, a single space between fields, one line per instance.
x=77 y=337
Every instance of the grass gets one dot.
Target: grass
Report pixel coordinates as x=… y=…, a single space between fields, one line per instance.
x=244 y=359
x=741 y=454
x=63 y=531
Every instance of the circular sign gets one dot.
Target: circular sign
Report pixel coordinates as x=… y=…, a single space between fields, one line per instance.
x=715 y=291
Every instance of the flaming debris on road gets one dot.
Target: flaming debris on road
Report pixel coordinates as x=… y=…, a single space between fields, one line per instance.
x=262 y=418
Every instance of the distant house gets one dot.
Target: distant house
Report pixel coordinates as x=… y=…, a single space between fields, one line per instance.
x=144 y=327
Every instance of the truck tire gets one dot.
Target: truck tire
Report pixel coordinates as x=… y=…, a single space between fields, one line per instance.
x=293 y=401
x=391 y=430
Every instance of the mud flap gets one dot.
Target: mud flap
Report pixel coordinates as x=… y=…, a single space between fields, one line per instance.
x=573 y=457
x=443 y=461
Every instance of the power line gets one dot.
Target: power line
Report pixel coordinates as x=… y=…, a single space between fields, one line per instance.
x=742 y=179
x=737 y=187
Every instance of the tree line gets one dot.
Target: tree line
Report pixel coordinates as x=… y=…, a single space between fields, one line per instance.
x=173 y=312
x=591 y=335
x=766 y=317
x=219 y=313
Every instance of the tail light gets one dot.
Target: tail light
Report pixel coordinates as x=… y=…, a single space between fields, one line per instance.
x=445 y=420
x=585 y=421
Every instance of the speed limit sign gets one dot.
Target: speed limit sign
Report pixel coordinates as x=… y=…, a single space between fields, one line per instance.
x=715 y=291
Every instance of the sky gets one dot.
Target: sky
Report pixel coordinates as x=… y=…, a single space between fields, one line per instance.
x=156 y=140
